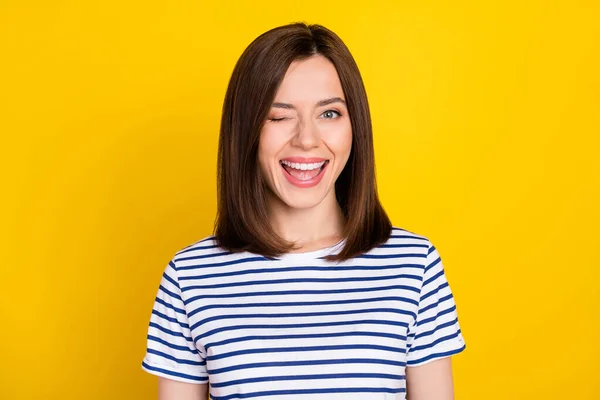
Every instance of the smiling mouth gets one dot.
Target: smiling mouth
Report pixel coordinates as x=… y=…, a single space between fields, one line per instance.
x=303 y=171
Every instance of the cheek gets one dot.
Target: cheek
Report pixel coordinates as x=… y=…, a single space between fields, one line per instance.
x=339 y=141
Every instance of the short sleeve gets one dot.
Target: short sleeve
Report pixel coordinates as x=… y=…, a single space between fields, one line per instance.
x=171 y=352
x=435 y=332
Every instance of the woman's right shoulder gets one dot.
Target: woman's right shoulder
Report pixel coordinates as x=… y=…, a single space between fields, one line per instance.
x=208 y=254
x=206 y=246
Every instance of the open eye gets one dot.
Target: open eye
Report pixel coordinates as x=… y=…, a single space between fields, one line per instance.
x=331 y=114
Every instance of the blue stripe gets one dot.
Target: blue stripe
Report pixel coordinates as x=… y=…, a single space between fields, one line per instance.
x=407 y=237
x=431 y=249
x=171 y=319
x=436 y=342
x=172 y=346
x=288 y=326
x=437 y=355
x=433 y=264
x=436 y=304
x=302 y=268
x=170 y=332
x=304 y=303
x=169 y=305
x=433 y=278
x=223 y=264
x=307 y=391
x=203 y=256
x=307 y=377
x=172 y=373
x=211 y=246
x=301 y=315
x=305 y=336
x=304 y=349
x=177 y=360
x=397 y=246
x=297 y=363
x=391 y=255
x=437 y=328
x=198 y=243
x=171 y=280
x=439 y=314
x=302 y=280
x=436 y=291
x=172 y=294
x=293 y=292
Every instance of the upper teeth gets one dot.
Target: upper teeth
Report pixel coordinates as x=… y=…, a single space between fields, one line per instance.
x=303 y=166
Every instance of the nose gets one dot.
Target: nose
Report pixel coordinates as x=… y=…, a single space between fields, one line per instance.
x=307 y=135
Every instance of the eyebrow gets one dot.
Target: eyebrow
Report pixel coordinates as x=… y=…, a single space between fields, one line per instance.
x=321 y=103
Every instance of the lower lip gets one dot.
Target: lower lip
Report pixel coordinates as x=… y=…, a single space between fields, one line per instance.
x=305 y=184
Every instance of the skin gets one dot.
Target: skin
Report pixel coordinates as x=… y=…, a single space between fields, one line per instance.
x=431 y=381
x=169 y=389
x=298 y=126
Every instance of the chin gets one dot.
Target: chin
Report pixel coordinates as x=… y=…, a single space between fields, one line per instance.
x=302 y=201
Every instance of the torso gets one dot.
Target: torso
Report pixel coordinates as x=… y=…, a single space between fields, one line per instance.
x=300 y=325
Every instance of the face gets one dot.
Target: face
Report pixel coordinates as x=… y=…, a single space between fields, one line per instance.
x=306 y=140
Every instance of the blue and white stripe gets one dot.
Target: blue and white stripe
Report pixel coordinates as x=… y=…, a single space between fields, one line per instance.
x=299 y=326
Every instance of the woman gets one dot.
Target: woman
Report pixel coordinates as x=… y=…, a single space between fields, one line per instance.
x=305 y=291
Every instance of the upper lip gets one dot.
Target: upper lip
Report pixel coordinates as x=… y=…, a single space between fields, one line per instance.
x=304 y=160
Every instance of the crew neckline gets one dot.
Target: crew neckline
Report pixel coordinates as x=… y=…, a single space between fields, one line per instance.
x=313 y=254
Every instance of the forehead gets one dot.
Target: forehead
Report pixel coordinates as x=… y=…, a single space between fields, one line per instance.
x=309 y=81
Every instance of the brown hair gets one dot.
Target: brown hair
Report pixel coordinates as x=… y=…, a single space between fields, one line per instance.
x=242 y=221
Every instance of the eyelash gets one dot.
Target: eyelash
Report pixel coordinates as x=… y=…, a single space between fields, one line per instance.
x=339 y=114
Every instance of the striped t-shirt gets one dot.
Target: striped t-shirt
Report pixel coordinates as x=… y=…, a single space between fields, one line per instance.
x=300 y=327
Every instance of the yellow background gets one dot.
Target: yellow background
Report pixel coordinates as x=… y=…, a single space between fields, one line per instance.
x=487 y=125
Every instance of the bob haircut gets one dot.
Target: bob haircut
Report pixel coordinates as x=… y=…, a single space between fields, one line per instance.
x=242 y=222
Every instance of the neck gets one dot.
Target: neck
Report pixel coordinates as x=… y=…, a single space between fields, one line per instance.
x=310 y=228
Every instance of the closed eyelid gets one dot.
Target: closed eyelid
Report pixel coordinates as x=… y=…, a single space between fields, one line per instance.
x=279 y=116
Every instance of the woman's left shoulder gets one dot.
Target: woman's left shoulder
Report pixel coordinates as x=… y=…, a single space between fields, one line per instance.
x=402 y=246
x=401 y=236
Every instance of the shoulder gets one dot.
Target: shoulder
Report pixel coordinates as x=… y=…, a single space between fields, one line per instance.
x=401 y=237
x=402 y=233
x=206 y=248
x=208 y=255
x=402 y=247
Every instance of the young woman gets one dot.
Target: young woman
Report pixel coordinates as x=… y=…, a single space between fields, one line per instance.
x=305 y=291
